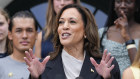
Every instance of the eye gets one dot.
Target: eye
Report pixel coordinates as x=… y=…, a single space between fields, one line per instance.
x=67 y=0
x=58 y=0
x=117 y=1
x=18 y=30
x=129 y=1
x=30 y=30
x=73 y=22
x=1 y=23
x=61 y=22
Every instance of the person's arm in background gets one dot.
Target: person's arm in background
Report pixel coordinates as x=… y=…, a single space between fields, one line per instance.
x=122 y=23
x=38 y=45
x=127 y=74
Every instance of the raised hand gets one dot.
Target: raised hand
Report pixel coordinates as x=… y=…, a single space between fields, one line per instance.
x=122 y=24
x=36 y=67
x=105 y=67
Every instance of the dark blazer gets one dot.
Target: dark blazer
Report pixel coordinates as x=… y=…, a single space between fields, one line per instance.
x=54 y=70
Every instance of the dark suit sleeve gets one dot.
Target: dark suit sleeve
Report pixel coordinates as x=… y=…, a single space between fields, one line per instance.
x=115 y=73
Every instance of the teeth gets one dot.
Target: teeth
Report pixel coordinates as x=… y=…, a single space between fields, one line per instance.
x=66 y=34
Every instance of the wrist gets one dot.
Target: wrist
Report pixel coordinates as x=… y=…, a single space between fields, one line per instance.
x=130 y=44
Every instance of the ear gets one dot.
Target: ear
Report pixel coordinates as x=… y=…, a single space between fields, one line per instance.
x=8 y=21
x=10 y=35
x=85 y=36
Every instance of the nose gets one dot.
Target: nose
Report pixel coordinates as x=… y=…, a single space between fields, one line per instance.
x=66 y=26
x=24 y=35
x=122 y=4
x=62 y=3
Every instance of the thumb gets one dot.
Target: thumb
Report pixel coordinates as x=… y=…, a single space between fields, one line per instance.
x=93 y=62
x=46 y=60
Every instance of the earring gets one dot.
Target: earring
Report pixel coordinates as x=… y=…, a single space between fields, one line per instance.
x=85 y=36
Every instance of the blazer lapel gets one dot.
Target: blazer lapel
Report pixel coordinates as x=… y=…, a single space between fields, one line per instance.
x=88 y=71
x=54 y=69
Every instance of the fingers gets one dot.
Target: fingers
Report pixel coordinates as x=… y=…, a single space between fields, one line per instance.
x=111 y=67
x=31 y=53
x=104 y=54
x=123 y=15
x=117 y=22
x=27 y=61
x=121 y=21
x=107 y=57
x=46 y=60
x=110 y=61
x=28 y=56
x=93 y=62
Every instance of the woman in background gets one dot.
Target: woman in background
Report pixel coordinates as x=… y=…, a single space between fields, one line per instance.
x=122 y=31
x=133 y=72
x=4 y=42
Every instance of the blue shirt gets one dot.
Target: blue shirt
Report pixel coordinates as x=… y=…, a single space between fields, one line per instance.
x=46 y=46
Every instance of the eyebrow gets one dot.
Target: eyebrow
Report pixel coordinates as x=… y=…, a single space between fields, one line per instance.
x=25 y=28
x=70 y=18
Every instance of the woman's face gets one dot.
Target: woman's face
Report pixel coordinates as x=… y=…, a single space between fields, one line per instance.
x=3 y=27
x=71 y=28
x=59 y=4
x=128 y=6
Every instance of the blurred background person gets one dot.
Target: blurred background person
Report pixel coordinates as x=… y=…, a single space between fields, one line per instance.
x=133 y=72
x=76 y=43
x=39 y=8
x=22 y=33
x=122 y=31
x=4 y=42
x=44 y=44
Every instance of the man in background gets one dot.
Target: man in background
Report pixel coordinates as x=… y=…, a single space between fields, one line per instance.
x=22 y=33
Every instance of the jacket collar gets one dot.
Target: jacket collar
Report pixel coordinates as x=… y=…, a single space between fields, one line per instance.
x=88 y=71
x=55 y=66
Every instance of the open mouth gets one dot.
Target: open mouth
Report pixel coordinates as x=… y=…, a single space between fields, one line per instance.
x=65 y=35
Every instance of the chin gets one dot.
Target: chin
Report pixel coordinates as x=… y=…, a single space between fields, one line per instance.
x=1 y=39
x=66 y=44
x=25 y=48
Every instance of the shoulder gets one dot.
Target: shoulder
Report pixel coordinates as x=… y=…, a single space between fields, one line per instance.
x=4 y=59
x=39 y=37
x=100 y=31
x=113 y=28
x=4 y=62
x=127 y=74
x=40 y=34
